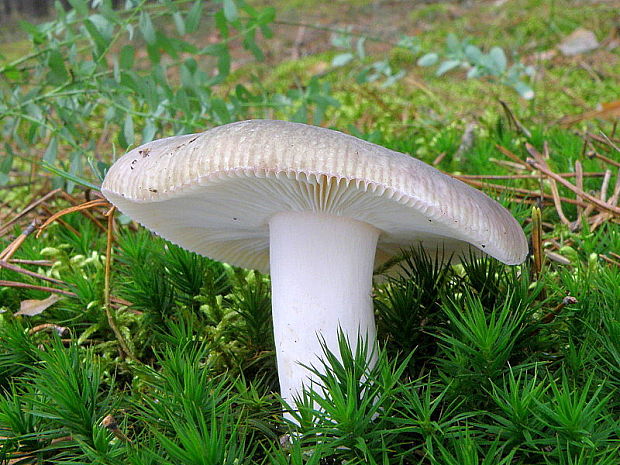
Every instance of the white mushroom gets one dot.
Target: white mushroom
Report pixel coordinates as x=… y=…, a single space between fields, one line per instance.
x=315 y=207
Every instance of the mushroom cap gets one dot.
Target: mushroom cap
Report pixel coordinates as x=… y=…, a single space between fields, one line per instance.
x=215 y=192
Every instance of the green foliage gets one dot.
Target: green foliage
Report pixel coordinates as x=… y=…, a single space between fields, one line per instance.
x=348 y=410
x=18 y=352
x=408 y=303
x=377 y=71
x=85 y=63
x=479 y=342
x=494 y=64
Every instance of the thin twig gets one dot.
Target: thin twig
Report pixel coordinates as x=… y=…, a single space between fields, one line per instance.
x=37 y=288
x=62 y=222
x=106 y=289
x=439 y=158
x=579 y=184
x=32 y=274
x=509 y=164
x=537 y=248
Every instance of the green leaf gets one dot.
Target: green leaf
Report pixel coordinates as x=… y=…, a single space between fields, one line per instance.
x=128 y=132
x=220 y=51
x=12 y=73
x=148 y=132
x=499 y=58
x=474 y=54
x=33 y=31
x=452 y=43
x=58 y=72
x=428 y=60
x=447 y=66
x=474 y=72
x=179 y=22
x=221 y=24
x=230 y=11
x=193 y=16
x=220 y=110
x=146 y=28
x=100 y=42
x=154 y=53
x=80 y=7
x=126 y=57
x=182 y=101
x=360 y=48
x=68 y=176
x=342 y=59
x=74 y=170
x=51 y=151
x=265 y=17
x=249 y=42
x=5 y=166
x=523 y=89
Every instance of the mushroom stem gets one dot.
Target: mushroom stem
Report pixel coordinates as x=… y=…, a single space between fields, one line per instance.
x=321 y=278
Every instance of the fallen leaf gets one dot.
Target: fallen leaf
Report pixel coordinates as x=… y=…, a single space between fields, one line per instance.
x=35 y=307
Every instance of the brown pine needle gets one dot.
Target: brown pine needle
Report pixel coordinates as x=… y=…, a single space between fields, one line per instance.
x=37 y=288
x=60 y=330
x=516 y=190
x=528 y=176
x=86 y=213
x=593 y=200
x=66 y=211
x=512 y=156
x=537 y=247
x=554 y=188
x=579 y=184
x=609 y=260
x=21 y=261
x=63 y=223
x=549 y=317
x=605 y=185
x=30 y=207
x=603 y=158
x=32 y=274
x=514 y=121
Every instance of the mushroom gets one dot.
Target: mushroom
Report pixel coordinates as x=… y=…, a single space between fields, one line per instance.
x=316 y=208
